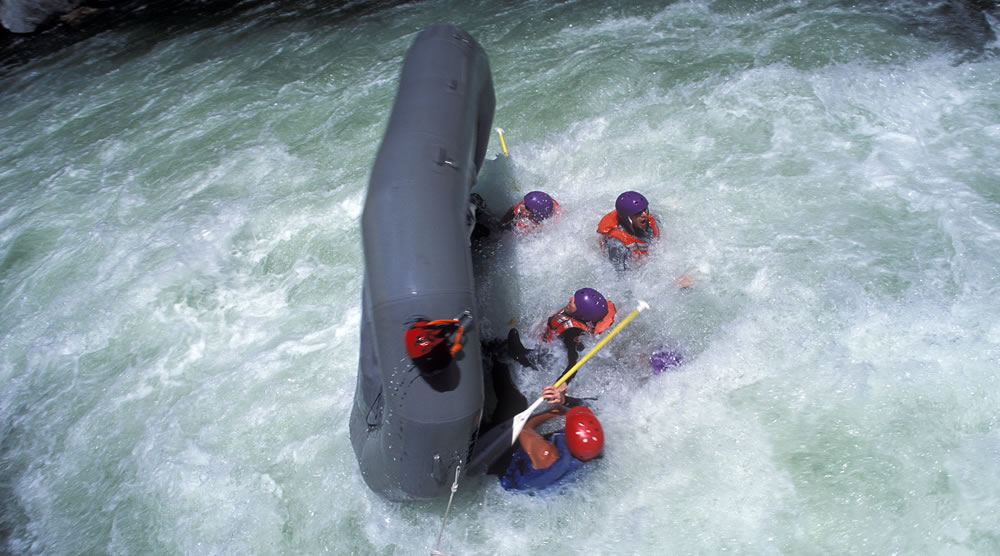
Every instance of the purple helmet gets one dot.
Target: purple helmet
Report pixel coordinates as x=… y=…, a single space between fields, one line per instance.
x=630 y=203
x=539 y=203
x=590 y=305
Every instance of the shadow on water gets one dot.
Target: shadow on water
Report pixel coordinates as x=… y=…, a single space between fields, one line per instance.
x=494 y=254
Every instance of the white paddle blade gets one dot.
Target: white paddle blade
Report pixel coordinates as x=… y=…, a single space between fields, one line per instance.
x=521 y=418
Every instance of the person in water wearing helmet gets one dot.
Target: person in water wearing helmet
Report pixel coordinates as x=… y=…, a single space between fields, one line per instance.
x=529 y=213
x=540 y=461
x=587 y=311
x=627 y=231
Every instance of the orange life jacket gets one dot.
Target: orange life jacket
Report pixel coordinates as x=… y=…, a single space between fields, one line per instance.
x=609 y=227
x=522 y=216
x=561 y=322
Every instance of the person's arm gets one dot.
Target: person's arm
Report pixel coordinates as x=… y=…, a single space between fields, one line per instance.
x=572 y=402
x=507 y=222
x=618 y=254
x=540 y=450
x=574 y=345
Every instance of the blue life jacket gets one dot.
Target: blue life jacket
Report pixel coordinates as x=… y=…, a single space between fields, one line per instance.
x=521 y=475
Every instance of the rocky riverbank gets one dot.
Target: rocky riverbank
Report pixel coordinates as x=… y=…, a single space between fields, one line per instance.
x=90 y=17
x=80 y=19
x=86 y=19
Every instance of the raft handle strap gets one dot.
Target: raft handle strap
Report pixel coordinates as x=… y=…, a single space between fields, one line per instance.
x=444 y=520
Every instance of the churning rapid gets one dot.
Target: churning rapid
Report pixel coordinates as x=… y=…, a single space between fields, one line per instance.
x=180 y=278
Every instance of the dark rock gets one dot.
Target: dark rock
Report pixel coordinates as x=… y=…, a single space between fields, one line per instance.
x=92 y=17
x=25 y=16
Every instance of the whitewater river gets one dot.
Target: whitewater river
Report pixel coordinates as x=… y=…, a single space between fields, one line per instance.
x=180 y=278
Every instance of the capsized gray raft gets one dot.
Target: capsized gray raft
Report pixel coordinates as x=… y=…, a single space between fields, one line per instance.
x=416 y=415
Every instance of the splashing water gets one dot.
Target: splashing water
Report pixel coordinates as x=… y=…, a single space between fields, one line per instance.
x=181 y=278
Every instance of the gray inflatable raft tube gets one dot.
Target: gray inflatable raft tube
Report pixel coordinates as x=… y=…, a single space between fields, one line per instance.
x=410 y=430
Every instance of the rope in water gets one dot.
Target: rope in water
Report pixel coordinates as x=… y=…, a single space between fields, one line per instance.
x=444 y=520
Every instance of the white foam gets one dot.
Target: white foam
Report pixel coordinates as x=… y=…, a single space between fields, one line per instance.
x=182 y=278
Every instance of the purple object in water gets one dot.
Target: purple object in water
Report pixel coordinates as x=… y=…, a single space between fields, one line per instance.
x=664 y=359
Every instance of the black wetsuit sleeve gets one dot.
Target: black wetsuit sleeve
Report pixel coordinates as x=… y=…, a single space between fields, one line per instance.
x=507 y=222
x=570 y=339
x=482 y=220
x=618 y=254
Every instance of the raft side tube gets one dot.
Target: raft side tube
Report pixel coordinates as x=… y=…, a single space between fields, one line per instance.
x=410 y=431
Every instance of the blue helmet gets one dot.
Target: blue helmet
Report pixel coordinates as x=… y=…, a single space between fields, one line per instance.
x=539 y=203
x=631 y=203
x=590 y=305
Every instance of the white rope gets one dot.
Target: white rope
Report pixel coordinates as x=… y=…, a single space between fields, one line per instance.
x=454 y=487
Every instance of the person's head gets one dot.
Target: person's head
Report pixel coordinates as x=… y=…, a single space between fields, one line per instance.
x=540 y=205
x=587 y=304
x=584 y=435
x=633 y=208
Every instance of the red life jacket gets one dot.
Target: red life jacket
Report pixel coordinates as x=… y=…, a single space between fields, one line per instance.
x=522 y=216
x=609 y=227
x=561 y=322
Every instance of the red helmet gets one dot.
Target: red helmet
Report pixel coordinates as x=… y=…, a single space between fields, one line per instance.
x=584 y=435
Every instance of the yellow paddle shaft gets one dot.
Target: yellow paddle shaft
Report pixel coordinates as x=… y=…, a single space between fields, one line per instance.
x=502 y=142
x=635 y=312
